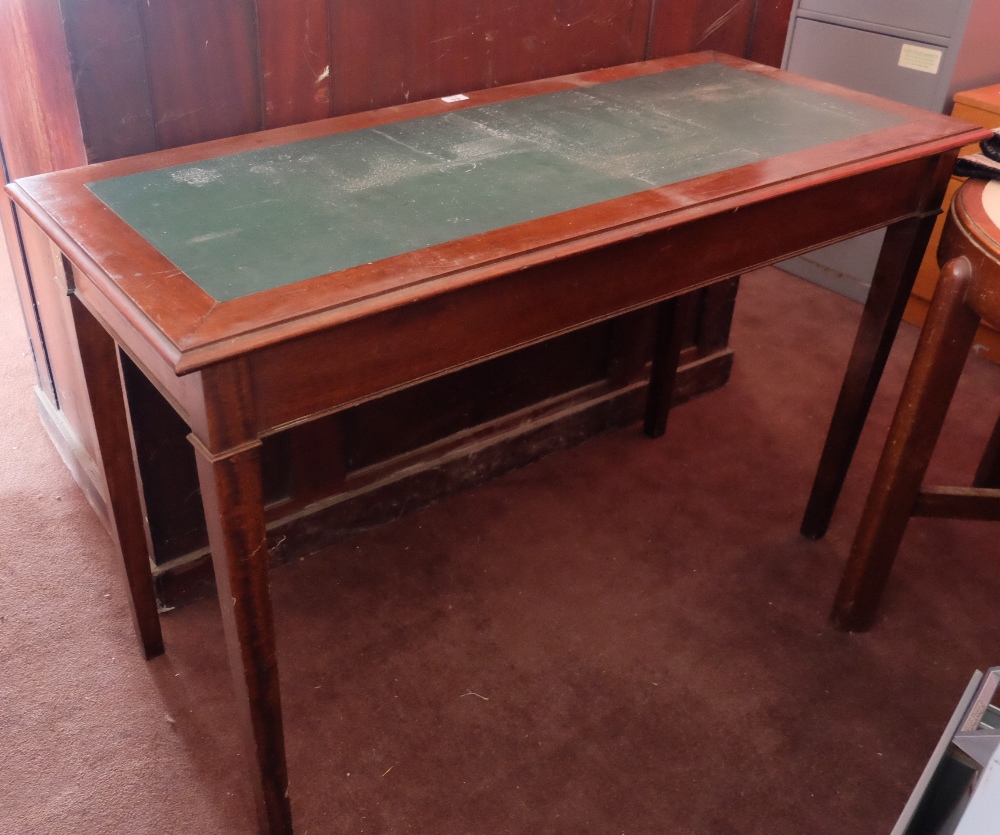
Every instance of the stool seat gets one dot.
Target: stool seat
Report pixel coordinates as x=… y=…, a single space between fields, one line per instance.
x=968 y=292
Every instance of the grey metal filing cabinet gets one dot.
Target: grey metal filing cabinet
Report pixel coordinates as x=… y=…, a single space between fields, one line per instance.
x=920 y=52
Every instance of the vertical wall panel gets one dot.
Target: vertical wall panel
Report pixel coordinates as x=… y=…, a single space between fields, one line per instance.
x=108 y=55
x=40 y=132
x=202 y=57
x=25 y=292
x=767 y=43
x=58 y=332
x=295 y=53
x=38 y=116
x=681 y=26
x=394 y=51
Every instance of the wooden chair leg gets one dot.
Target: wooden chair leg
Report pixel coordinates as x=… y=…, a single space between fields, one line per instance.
x=671 y=318
x=941 y=354
x=232 y=494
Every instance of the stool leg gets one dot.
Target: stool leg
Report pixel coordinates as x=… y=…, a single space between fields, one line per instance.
x=988 y=473
x=941 y=353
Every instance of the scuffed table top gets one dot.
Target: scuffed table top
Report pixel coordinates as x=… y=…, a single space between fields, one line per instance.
x=252 y=221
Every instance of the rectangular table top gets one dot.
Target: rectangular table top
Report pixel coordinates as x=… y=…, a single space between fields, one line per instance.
x=255 y=220
x=212 y=251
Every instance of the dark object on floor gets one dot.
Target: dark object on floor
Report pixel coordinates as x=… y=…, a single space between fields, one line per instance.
x=991 y=146
x=979 y=166
x=985 y=165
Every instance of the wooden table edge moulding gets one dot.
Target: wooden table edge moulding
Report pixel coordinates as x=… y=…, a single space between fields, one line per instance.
x=240 y=369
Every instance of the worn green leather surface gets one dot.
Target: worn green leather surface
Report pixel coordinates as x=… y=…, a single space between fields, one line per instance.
x=248 y=222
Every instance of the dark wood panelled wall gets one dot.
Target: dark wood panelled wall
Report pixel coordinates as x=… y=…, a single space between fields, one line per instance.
x=91 y=80
x=162 y=73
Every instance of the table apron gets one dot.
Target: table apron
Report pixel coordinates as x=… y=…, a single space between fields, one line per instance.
x=304 y=378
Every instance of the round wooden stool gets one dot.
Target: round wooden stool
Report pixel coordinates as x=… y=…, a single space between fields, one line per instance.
x=969 y=290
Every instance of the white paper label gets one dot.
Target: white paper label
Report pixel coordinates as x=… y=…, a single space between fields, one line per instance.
x=920 y=58
x=991 y=201
x=450 y=99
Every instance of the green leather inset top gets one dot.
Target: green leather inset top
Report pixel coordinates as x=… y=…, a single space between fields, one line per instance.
x=251 y=221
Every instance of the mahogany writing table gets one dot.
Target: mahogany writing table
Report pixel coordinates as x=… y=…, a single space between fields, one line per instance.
x=265 y=280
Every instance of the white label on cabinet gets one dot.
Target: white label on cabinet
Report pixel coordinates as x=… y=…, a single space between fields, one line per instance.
x=920 y=58
x=455 y=98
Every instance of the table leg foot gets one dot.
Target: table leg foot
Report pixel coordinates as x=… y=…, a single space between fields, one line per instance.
x=232 y=495
x=671 y=318
x=902 y=252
